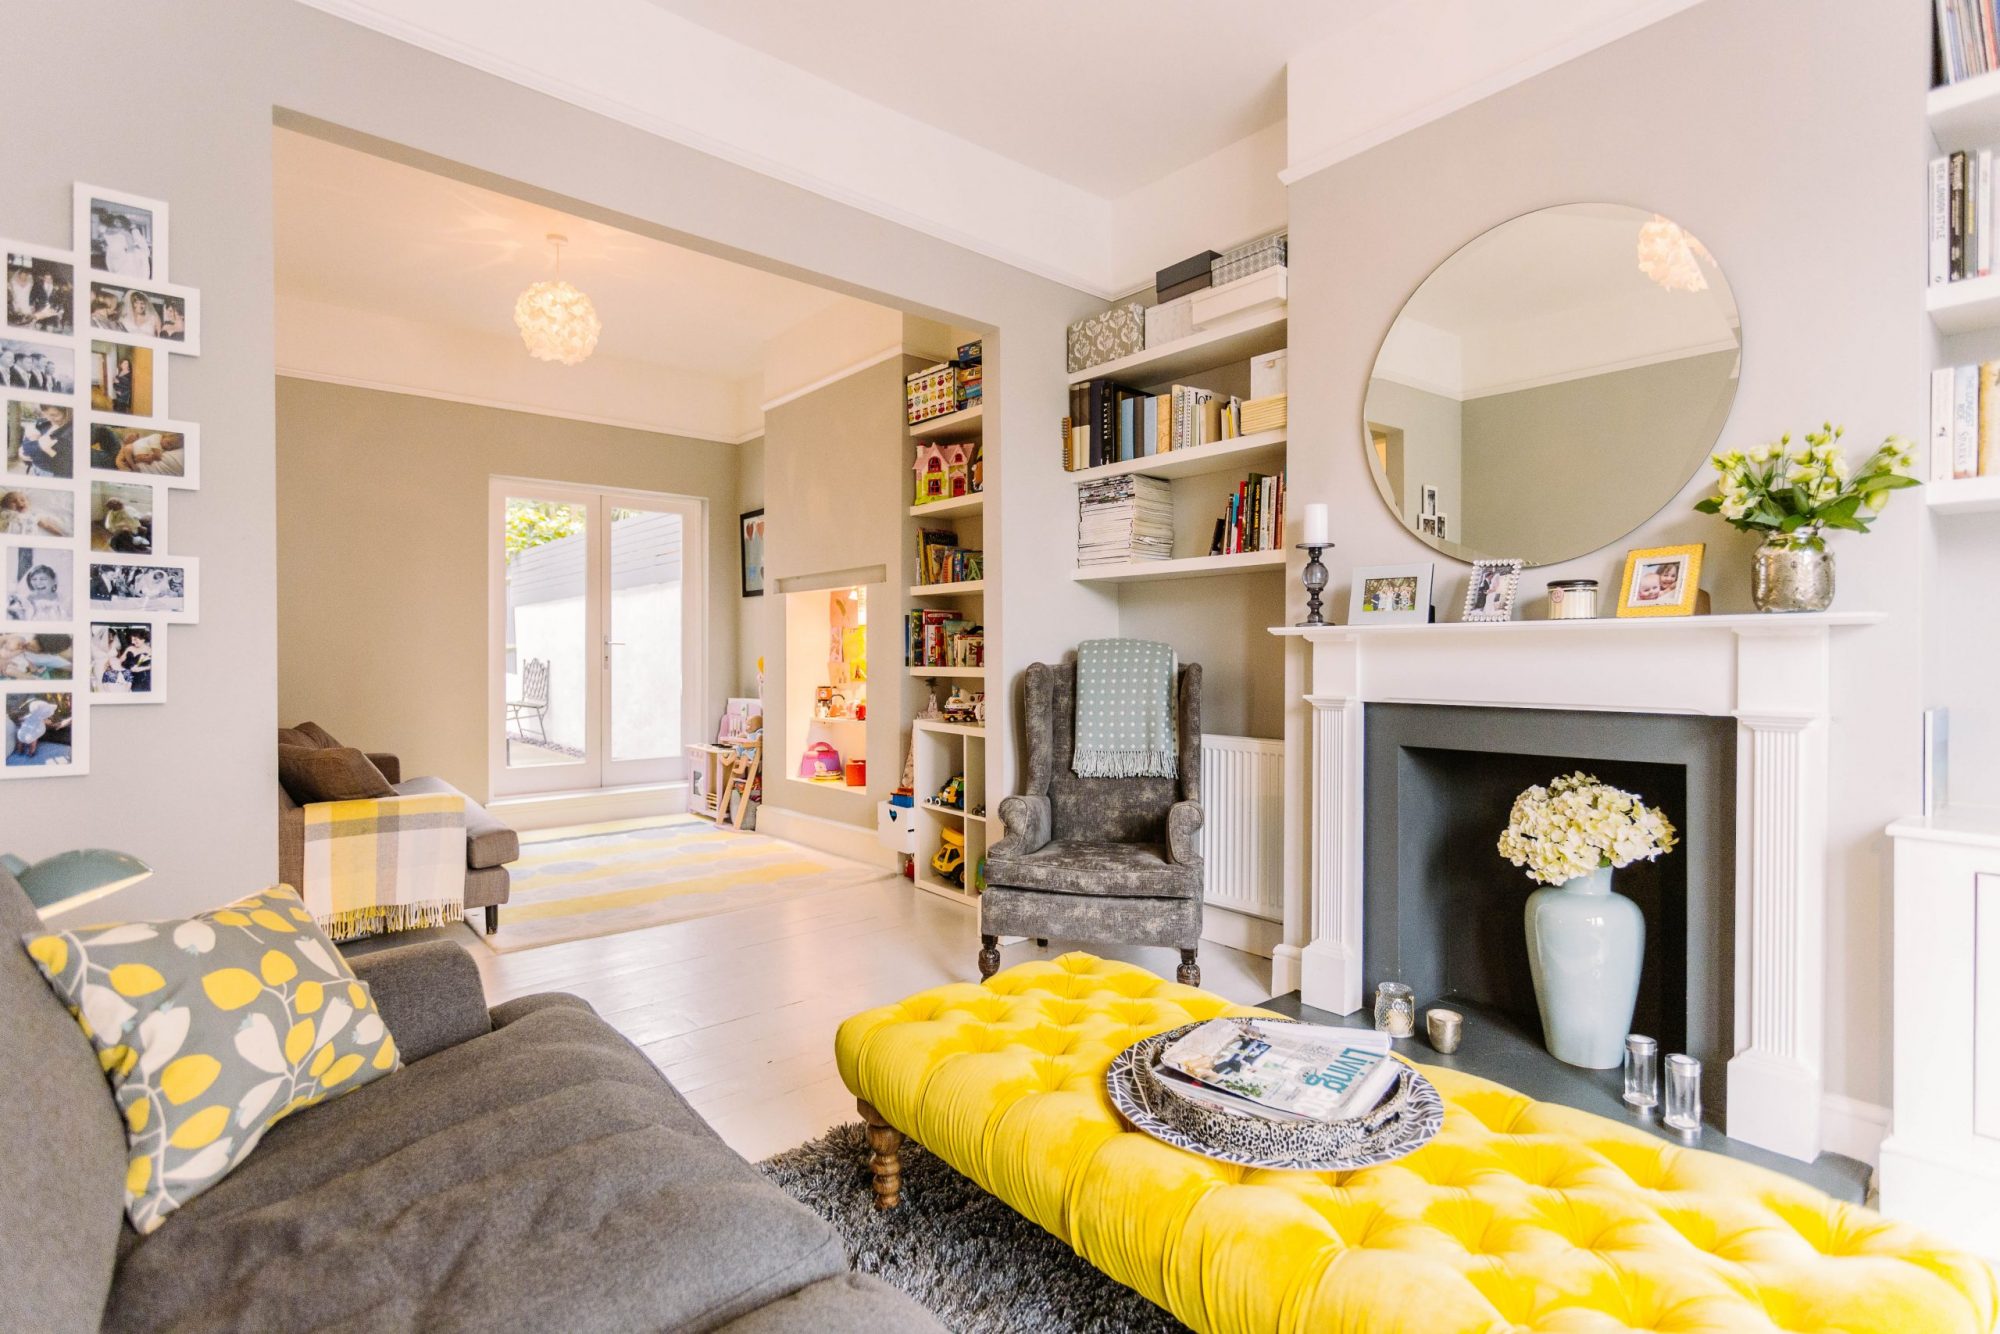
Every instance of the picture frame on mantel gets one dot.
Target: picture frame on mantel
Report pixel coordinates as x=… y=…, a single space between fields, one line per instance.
x=1490 y=590
x=1661 y=581
x=1391 y=594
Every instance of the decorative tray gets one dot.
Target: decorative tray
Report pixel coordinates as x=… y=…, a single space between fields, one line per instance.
x=1406 y=1119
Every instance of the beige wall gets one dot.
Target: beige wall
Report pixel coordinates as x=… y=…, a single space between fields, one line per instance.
x=1722 y=118
x=384 y=558
x=190 y=785
x=1431 y=425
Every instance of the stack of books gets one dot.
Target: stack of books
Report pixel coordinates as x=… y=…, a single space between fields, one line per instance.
x=1284 y=1072
x=1254 y=518
x=940 y=560
x=942 y=638
x=1968 y=39
x=1962 y=216
x=1123 y=519
x=1965 y=419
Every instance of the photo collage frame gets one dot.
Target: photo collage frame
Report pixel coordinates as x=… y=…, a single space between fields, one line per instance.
x=89 y=458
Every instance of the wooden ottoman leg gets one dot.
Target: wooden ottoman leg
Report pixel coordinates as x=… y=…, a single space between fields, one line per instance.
x=989 y=956
x=885 y=1156
x=1189 y=973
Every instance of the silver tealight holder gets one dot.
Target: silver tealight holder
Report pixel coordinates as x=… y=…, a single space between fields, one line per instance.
x=1642 y=1073
x=1683 y=1111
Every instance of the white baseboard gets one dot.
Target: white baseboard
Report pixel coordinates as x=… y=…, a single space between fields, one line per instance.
x=555 y=810
x=1238 y=931
x=1852 y=1128
x=855 y=842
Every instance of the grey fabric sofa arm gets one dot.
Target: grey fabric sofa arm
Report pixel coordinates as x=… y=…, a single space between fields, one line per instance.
x=1183 y=823
x=429 y=995
x=1029 y=824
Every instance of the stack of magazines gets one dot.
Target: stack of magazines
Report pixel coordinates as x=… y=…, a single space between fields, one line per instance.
x=1282 y=1071
x=1124 y=519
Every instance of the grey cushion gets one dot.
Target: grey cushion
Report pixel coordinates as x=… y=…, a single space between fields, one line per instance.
x=1120 y=870
x=62 y=1207
x=849 y=1304
x=1028 y=912
x=329 y=773
x=487 y=841
x=314 y=734
x=541 y=1177
x=429 y=995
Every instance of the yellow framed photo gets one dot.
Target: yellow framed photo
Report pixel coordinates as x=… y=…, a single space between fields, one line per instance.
x=1661 y=581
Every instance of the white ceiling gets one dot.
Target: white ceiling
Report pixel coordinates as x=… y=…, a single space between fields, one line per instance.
x=1107 y=95
x=361 y=232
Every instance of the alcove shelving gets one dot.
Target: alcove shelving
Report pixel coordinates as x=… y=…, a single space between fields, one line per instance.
x=1964 y=116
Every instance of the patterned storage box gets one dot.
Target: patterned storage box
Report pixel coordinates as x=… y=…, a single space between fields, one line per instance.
x=1107 y=336
x=1265 y=253
x=932 y=392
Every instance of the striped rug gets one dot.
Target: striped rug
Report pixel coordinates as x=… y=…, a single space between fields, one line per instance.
x=617 y=878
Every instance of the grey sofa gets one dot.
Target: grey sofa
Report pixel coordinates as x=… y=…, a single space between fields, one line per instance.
x=1097 y=859
x=528 y=1169
x=489 y=844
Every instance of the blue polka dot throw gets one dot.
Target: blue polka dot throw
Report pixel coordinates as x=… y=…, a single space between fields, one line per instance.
x=1125 y=710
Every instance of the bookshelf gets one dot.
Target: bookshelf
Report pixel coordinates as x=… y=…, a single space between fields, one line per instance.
x=1966 y=306
x=940 y=673
x=965 y=424
x=1192 y=567
x=1237 y=339
x=959 y=589
x=956 y=505
x=941 y=751
x=1965 y=495
x=1963 y=115
x=1966 y=114
x=1262 y=452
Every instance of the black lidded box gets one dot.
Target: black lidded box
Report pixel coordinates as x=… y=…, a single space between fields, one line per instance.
x=1189 y=275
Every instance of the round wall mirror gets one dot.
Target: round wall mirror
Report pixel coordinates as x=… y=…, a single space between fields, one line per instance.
x=1553 y=384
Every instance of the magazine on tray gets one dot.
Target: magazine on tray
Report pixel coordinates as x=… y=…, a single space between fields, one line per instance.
x=1296 y=1071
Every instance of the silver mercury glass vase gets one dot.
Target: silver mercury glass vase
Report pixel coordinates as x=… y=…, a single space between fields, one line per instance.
x=1792 y=573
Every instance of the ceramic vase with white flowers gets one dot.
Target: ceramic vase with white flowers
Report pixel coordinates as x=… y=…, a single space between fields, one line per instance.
x=1792 y=496
x=1585 y=942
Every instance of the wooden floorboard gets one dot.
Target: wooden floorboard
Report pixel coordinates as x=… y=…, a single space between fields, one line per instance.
x=740 y=1009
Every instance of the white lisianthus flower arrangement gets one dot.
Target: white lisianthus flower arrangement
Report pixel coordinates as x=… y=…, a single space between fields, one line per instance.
x=1576 y=826
x=1799 y=493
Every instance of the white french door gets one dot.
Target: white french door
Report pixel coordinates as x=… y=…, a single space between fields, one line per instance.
x=597 y=643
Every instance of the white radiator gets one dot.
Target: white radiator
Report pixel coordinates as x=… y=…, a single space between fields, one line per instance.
x=1242 y=833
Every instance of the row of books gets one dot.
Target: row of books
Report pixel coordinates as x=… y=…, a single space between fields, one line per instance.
x=1965 y=418
x=1968 y=39
x=1254 y=519
x=942 y=638
x=1123 y=519
x=1963 y=216
x=1113 y=423
x=940 y=560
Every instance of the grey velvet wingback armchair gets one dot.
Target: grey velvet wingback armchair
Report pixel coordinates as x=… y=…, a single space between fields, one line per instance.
x=1097 y=859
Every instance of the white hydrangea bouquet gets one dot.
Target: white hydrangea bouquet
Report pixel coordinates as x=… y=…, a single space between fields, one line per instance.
x=1577 y=826
x=1778 y=489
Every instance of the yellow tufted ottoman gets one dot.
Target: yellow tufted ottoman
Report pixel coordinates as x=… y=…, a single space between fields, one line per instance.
x=1519 y=1216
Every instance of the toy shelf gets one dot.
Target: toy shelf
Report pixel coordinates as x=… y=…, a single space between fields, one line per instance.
x=964 y=586
x=972 y=501
x=969 y=673
x=965 y=424
x=941 y=752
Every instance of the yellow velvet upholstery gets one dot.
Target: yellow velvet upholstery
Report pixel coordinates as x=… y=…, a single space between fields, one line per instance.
x=1520 y=1216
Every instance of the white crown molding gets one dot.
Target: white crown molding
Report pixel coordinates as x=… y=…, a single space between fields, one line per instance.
x=1457 y=99
x=1088 y=272
x=539 y=410
x=875 y=359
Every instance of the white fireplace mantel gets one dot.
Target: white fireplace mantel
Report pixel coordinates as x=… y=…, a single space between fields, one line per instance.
x=1771 y=673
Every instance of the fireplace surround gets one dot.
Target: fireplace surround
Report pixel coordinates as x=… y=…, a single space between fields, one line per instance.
x=1768 y=676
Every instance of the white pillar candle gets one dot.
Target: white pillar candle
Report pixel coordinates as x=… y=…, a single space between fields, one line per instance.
x=1315 y=526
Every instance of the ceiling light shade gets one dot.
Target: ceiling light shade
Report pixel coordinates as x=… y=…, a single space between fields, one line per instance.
x=557 y=322
x=1670 y=257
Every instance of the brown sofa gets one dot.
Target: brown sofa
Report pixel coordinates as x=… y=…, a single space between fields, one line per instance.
x=489 y=844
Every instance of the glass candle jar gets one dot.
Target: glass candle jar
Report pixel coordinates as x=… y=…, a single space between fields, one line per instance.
x=1683 y=1111
x=1642 y=1073
x=1395 y=1010
x=1573 y=600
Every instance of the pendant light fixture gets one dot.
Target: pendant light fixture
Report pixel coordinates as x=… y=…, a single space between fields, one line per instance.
x=1670 y=257
x=557 y=322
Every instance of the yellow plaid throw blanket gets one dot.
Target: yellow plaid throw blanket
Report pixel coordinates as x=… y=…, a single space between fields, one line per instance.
x=387 y=864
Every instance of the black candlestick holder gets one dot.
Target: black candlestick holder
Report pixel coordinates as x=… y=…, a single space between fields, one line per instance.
x=1314 y=580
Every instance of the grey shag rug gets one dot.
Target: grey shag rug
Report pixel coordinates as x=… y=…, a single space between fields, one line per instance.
x=973 y=1262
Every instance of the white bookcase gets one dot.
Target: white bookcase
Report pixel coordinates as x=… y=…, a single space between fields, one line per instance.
x=944 y=751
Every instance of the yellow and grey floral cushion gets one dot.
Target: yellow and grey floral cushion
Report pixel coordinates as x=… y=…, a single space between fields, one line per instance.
x=212 y=1030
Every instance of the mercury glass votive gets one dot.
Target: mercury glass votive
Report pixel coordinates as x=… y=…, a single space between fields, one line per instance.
x=1395 y=1010
x=1445 y=1028
x=1642 y=1072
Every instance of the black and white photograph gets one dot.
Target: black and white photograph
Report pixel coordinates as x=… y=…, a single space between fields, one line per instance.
x=41 y=290
x=123 y=517
x=158 y=313
x=46 y=656
x=165 y=587
x=124 y=663
x=48 y=368
x=169 y=452
x=37 y=730
x=36 y=511
x=121 y=234
x=122 y=380
x=1430 y=502
x=1490 y=590
x=40 y=583
x=41 y=439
